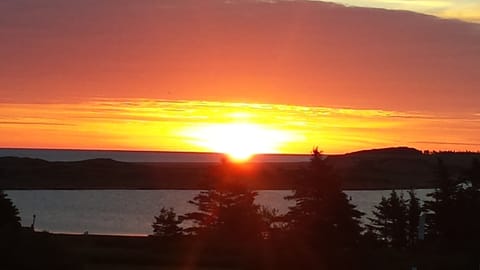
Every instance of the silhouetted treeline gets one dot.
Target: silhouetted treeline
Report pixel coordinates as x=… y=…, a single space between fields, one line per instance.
x=450 y=219
x=21 y=248
x=453 y=215
x=389 y=168
x=323 y=230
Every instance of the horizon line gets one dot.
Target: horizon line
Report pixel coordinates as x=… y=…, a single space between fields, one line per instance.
x=220 y=153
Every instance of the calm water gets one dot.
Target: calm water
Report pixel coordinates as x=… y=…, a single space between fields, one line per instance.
x=131 y=211
x=138 y=156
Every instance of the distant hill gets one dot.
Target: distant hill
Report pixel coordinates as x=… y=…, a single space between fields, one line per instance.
x=399 y=167
x=388 y=168
x=391 y=151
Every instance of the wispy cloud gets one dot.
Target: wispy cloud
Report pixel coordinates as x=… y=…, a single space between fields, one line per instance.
x=467 y=10
x=31 y=123
x=447 y=143
x=286 y=52
x=165 y=125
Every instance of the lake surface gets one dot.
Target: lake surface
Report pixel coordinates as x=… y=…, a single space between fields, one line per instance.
x=131 y=212
x=139 y=156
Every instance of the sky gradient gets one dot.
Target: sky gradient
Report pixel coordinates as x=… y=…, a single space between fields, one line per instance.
x=467 y=10
x=155 y=75
x=191 y=126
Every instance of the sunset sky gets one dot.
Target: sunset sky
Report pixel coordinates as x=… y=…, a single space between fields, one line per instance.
x=467 y=10
x=190 y=75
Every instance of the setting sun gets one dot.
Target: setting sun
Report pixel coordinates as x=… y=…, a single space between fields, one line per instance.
x=239 y=141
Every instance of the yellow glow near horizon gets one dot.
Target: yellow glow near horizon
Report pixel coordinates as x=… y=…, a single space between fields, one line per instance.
x=239 y=129
x=240 y=141
x=467 y=10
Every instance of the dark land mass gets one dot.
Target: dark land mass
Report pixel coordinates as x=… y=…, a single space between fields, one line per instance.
x=42 y=250
x=389 y=168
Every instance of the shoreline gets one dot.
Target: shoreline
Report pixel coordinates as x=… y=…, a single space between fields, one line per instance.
x=368 y=170
x=173 y=189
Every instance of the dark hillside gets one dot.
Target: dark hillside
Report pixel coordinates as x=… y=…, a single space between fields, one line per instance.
x=390 y=168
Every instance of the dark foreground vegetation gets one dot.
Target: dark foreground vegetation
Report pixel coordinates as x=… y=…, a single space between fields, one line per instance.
x=321 y=231
x=390 y=168
x=55 y=251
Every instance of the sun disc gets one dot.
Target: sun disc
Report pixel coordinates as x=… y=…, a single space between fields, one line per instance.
x=239 y=141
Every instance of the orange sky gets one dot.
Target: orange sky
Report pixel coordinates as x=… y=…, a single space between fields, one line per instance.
x=181 y=125
x=138 y=74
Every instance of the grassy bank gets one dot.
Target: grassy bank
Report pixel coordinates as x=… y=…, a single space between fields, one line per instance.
x=41 y=250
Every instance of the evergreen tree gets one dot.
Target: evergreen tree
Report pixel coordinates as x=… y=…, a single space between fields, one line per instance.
x=227 y=209
x=399 y=220
x=322 y=214
x=379 y=224
x=390 y=220
x=225 y=212
x=273 y=223
x=442 y=212
x=453 y=213
x=468 y=207
x=414 y=211
x=473 y=174
x=166 y=224
x=9 y=215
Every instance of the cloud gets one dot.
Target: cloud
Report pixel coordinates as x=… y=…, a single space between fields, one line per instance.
x=468 y=10
x=288 y=52
x=148 y=124
x=22 y=123
x=446 y=143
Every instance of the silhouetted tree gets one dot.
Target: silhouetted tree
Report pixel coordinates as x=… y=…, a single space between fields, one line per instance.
x=442 y=212
x=273 y=222
x=380 y=222
x=390 y=220
x=468 y=208
x=166 y=224
x=9 y=215
x=414 y=210
x=322 y=214
x=453 y=219
x=227 y=209
x=227 y=212
x=9 y=232
x=473 y=174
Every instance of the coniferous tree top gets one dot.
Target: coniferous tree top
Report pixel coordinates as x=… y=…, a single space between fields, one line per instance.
x=395 y=220
x=9 y=215
x=443 y=209
x=166 y=224
x=322 y=212
x=227 y=209
x=473 y=174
